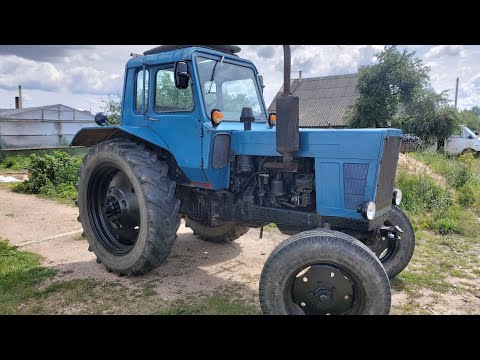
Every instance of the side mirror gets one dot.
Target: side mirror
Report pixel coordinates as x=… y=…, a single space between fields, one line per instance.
x=182 y=78
x=260 y=78
x=101 y=119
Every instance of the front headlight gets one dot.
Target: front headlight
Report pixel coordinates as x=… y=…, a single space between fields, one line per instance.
x=397 y=197
x=368 y=210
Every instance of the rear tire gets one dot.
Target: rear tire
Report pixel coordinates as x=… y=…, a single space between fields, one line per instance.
x=127 y=206
x=224 y=233
x=307 y=260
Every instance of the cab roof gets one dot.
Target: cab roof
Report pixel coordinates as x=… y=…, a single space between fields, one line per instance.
x=231 y=49
x=171 y=53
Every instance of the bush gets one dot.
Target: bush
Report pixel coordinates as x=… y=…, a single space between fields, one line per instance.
x=52 y=174
x=421 y=193
x=466 y=196
x=461 y=176
x=444 y=225
x=427 y=203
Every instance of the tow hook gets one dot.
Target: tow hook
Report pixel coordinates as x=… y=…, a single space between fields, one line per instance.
x=390 y=232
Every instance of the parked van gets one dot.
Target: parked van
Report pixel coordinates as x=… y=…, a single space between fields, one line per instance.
x=457 y=144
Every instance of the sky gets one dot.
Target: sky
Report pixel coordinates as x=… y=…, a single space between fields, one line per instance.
x=81 y=76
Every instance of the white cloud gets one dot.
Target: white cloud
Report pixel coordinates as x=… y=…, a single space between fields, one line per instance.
x=81 y=76
x=445 y=50
x=16 y=71
x=88 y=80
x=46 y=76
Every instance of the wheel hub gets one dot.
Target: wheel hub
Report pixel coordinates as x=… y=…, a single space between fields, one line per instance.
x=323 y=290
x=325 y=295
x=115 y=209
x=115 y=204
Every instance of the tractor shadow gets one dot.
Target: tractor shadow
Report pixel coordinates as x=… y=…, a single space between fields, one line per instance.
x=194 y=268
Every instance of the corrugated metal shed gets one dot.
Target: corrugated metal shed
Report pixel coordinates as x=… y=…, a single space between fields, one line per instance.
x=323 y=100
x=41 y=127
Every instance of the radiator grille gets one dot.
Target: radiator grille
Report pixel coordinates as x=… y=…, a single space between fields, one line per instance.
x=354 y=182
x=388 y=168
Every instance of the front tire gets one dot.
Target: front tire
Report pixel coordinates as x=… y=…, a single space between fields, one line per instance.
x=226 y=232
x=395 y=254
x=127 y=207
x=324 y=272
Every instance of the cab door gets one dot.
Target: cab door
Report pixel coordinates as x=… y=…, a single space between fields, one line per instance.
x=175 y=115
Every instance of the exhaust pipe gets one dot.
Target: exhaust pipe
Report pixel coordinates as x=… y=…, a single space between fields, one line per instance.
x=288 y=111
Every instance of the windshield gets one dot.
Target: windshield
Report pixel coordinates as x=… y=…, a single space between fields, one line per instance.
x=229 y=88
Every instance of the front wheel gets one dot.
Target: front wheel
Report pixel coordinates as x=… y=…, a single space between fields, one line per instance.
x=395 y=254
x=127 y=206
x=324 y=272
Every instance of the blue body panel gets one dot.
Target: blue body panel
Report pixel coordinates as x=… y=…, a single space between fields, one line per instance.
x=189 y=137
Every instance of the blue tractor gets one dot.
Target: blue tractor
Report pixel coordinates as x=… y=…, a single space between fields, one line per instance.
x=196 y=142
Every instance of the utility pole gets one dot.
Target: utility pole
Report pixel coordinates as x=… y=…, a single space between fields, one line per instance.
x=456 y=94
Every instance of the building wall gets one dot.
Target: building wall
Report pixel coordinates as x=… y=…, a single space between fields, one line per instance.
x=28 y=130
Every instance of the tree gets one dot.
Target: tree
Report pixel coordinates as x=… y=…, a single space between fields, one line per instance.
x=469 y=118
x=396 y=79
x=476 y=110
x=112 y=108
x=168 y=97
x=427 y=116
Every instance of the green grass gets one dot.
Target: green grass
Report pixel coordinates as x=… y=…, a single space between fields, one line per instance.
x=449 y=210
x=20 y=273
x=216 y=304
x=14 y=163
x=436 y=259
x=23 y=291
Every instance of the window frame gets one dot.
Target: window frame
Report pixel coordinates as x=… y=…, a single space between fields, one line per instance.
x=138 y=70
x=233 y=62
x=172 y=66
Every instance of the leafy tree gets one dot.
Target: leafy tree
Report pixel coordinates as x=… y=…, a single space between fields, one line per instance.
x=469 y=118
x=236 y=102
x=427 y=116
x=112 y=108
x=396 y=92
x=168 y=97
x=476 y=110
x=396 y=79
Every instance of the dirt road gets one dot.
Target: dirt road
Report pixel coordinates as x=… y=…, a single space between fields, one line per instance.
x=51 y=229
x=194 y=267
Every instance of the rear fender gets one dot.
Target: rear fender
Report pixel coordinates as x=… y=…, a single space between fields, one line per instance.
x=91 y=136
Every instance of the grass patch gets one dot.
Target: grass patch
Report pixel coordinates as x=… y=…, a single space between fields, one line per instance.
x=445 y=211
x=14 y=162
x=216 y=304
x=20 y=273
x=22 y=292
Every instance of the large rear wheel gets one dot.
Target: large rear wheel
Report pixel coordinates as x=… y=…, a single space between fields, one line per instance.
x=324 y=272
x=127 y=207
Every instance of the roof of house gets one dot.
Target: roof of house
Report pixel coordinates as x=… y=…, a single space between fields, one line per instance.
x=14 y=113
x=323 y=100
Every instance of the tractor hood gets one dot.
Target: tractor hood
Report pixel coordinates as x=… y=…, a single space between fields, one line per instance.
x=354 y=144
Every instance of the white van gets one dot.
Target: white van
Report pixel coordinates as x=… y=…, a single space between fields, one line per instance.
x=457 y=144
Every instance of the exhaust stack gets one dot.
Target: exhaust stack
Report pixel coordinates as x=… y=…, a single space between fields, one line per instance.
x=288 y=110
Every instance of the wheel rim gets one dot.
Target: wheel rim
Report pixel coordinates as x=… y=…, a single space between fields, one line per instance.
x=323 y=289
x=113 y=209
x=384 y=247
